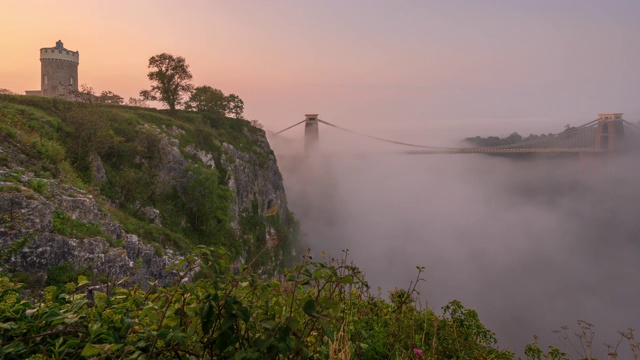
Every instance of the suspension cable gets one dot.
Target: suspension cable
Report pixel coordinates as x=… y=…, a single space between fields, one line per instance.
x=292 y=126
x=530 y=142
x=633 y=126
x=381 y=139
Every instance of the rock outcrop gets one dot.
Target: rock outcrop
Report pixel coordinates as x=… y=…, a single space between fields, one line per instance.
x=31 y=243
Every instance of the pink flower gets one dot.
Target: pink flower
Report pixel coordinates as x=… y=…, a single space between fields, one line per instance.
x=418 y=352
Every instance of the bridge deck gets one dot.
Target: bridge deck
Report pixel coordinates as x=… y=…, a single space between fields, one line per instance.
x=502 y=150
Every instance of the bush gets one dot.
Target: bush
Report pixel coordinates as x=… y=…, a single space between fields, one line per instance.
x=61 y=274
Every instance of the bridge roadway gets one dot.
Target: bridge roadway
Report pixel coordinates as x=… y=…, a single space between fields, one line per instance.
x=488 y=150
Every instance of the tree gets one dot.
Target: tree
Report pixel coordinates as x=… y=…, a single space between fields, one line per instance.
x=109 y=97
x=85 y=94
x=171 y=80
x=207 y=99
x=6 y=92
x=206 y=202
x=234 y=106
x=88 y=133
x=137 y=102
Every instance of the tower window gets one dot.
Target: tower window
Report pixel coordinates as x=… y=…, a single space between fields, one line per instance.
x=71 y=80
x=46 y=80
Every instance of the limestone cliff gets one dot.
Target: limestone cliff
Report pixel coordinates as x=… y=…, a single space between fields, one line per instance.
x=125 y=192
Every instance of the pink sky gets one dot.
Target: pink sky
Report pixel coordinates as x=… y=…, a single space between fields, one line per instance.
x=418 y=63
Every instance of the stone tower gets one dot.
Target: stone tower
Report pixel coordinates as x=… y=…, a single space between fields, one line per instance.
x=59 y=70
x=609 y=132
x=311 y=135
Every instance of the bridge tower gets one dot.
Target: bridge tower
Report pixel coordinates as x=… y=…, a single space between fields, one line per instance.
x=609 y=132
x=311 y=135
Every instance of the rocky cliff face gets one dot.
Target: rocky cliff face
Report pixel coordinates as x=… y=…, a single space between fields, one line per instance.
x=254 y=178
x=32 y=242
x=45 y=222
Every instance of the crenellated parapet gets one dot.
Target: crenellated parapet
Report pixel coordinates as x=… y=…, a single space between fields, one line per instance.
x=59 y=54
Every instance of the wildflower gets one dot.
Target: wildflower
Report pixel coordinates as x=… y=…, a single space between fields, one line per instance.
x=418 y=353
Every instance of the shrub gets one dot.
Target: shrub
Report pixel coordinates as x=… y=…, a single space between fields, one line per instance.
x=64 y=225
x=61 y=274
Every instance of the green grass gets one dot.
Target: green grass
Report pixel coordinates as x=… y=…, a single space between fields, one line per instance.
x=64 y=225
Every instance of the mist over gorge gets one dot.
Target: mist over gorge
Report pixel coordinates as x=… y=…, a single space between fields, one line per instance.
x=531 y=244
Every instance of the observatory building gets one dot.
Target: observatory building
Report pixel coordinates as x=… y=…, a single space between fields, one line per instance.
x=59 y=71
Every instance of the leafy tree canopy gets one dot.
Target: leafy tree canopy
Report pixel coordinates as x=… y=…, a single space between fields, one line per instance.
x=208 y=99
x=171 y=80
x=235 y=106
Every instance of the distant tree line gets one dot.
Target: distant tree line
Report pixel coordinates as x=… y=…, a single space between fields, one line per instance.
x=513 y=138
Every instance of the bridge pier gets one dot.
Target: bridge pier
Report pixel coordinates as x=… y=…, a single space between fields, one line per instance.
x=311 y=134
x=609 y=132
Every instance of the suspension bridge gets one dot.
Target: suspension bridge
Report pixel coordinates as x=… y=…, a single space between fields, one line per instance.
x=604 y=134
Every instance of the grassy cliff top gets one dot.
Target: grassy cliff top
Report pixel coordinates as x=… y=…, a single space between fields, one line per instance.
x=204 y=130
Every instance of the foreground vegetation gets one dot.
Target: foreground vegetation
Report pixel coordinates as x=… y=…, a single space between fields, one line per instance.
x=319 y=310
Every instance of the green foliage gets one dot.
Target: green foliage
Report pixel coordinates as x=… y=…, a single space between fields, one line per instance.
x=253 y=226
x=171 y=79
x=462 y=333
x=207 y=99
x=61 y=274
x=234 y=105
x=152 y=233
x=215 y=102
x=87 y=132
x=533 y=352
x=38 y=185
x=268 y=241
x=319 y=310
x=206 y=204
x=64 y=225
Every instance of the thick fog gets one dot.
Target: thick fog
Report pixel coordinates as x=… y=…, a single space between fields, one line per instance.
x=530 y=244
